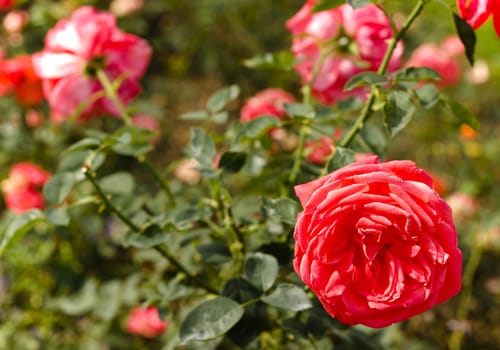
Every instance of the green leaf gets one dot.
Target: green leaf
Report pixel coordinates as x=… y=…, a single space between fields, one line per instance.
x=79 y=303
x=201 y=147
x=356 y=4
x=58 y=216
x=195 y=115
x=416 y=74
x=341 y=157
x=467 y=35
x=363 y=79
x=283 y=60
x=261 y=270
x=83 y=144
x=18 y=227
x=210 y=319
x=398 y=111
x=108 y=300
x=463 y=114
x=118 y=183
x=57 y=188
x=74 y=161
x=218 y=100
x=300 y=110
x=150 y=236
x=323 y=5
x=284 y=209
x=220 y=118
x=232 y=162
x=214 y=253
x=258 y=127
x=131 y=140
x=288 y=296
x=375 y=138
x=428 y=95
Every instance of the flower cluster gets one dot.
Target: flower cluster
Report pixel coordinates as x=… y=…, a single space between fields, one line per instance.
x=22 y=187
x=77 y=50
x=376 y=243
x=334 y=45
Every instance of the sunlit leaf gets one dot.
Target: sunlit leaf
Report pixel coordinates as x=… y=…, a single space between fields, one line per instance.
x=284 y=209
x=364 y=79
x=283 y=60
x=118 y=183
x=57 y=188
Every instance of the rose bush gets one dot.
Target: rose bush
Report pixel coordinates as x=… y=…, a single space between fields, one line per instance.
x=376 y=243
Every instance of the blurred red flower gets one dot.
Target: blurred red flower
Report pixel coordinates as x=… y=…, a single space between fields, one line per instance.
x=22 y=187
x=18 y=75
x=145 y=322
x=78 y=47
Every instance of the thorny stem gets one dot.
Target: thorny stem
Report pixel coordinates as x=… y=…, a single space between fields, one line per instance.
x=159 y=178
x=111 y=207
x=367 y=110
x=111 y=93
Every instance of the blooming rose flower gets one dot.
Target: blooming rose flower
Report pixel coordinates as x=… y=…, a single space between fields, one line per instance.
x=145 y=322
x=75 y=49
x=334 y=45
x=441 y=58
x=22 y=187
x=18 y=75
x=476 y=12
x=318 y=151
x=376 y=243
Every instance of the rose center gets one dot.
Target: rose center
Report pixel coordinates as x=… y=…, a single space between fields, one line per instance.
x=95 y=64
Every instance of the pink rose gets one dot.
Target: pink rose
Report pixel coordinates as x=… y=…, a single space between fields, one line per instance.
x=22 y=187
x=345 y=42
x=463 y=205
x=267 y=102
x=318 y=151
x=476 y=12
x=376 y=243
x=441 y=58
x=79 y=46
x=145 y=322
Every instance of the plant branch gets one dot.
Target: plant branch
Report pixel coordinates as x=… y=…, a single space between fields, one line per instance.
x=367 y=109
x=113 y=96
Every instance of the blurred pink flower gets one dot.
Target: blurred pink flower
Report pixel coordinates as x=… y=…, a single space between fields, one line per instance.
x=147 y=122
x=334 y=45
x=125 y=7
x=267 y=102
x=187 y=171
x=318 y=151
x=76 y=48
x=22 y=187
x=440 y=58
x=476 y=12
x=463 y=205
x=145 y=322
x=15 y=20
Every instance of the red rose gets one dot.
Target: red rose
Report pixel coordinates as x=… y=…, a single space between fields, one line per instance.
x=22 y=188
x=318 y=151
x=79 y=46
x=376 y=243
x=476 y=12
x=145 y=322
